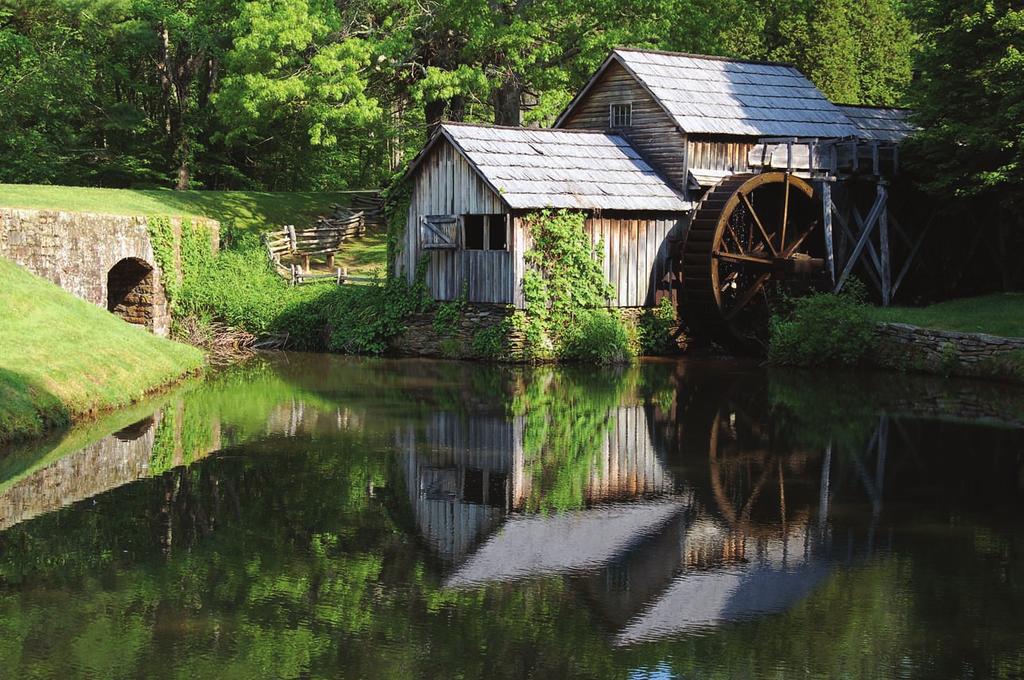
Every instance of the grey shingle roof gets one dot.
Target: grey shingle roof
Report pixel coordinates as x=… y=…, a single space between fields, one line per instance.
x=886 y=125
x=719 y=96
x=533 y=168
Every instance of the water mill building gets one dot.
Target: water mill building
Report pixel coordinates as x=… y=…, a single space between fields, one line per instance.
x=701 y=177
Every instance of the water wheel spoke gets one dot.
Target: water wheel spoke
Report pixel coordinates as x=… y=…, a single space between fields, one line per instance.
x=735 y=238
x=744 y=259
x=758 y=224
x=788 y=252
x=747 y=296
x=785 y=213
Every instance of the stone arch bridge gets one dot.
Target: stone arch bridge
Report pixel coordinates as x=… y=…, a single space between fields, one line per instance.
x=107 y=260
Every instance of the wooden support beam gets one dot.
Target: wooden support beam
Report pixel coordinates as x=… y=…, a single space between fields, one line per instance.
x=883 y=245
x=785 y=215
x=827 y=207
x=870 y=247
x=847 y=234
x=910 y=259
x=869 y=225
x=898 y=228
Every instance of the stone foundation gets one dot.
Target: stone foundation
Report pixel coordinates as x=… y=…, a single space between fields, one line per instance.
x=81 y=252
x=421 y=339
x=905 y=347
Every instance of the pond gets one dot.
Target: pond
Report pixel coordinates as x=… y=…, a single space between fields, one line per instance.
x=319 y=516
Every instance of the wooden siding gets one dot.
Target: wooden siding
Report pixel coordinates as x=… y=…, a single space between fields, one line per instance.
x=636 y=248
x=435 y=465
x=627 y=464
x=436 y=456
x=445 y=184
x=713 y=152
x=653 y=133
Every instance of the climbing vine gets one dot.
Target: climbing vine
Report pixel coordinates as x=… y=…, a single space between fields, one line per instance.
x=567 y=295
x=193 y=246
x=161 y=235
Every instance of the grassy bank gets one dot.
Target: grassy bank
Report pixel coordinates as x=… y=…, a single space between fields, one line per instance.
x=62 y=358
x=241 y=210
x=996 y=314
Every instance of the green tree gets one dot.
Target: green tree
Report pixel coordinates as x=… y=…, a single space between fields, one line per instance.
x=856 y=51
x=969 y=102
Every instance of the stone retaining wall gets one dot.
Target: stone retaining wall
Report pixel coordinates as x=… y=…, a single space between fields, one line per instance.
x=421 y=339
x=77 y=251
x=905 y=347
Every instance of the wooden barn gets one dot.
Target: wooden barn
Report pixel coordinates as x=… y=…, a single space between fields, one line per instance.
x=472 y=185
x=710 y=174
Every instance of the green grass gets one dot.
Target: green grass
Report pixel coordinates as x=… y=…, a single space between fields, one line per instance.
x=364 y=255
x=242 y=210
x=62 y=358
x=997 y=314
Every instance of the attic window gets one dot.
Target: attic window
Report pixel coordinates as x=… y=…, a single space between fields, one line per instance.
x=621 y=115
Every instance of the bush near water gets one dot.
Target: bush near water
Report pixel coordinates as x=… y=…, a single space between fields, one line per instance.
x=823 y=329
x=565 y=317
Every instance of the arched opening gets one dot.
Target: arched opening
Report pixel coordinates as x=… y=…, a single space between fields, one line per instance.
x=135 y=430
x=130 y=291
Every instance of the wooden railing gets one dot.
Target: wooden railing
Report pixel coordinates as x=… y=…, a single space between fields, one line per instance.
x=326 y=238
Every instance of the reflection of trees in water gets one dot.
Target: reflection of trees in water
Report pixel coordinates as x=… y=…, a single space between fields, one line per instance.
x=274 y=559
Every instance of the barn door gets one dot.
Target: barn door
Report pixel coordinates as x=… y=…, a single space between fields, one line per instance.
x=439 y=232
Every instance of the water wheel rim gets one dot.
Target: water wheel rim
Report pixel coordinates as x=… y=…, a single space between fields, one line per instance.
x=736 y=199
x=706 y=302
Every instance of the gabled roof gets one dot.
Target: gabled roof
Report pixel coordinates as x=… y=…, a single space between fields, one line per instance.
x=881 y=124
x=708 y=95
x=534 y=169
x=529 y=546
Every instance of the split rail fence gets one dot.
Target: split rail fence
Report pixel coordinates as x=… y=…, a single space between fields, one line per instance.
x=327 y=237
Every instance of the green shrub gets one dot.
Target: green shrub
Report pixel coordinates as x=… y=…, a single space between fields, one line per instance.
x=656 y=328
x=823 y=329
x=240 y=289
x=448 y=314
x=492 y=342
x=600 y=336
x=1006 y=366
x=451 y=348
x=364 y=319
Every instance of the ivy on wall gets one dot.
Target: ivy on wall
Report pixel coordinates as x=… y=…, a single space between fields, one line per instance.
x=181 y=254
x=566 y=313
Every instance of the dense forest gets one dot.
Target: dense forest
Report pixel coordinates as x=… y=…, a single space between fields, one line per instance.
x=334 y=94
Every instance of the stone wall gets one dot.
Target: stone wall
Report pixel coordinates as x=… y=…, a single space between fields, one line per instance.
x=906 y=347
x=77 y=251
x=421 y=339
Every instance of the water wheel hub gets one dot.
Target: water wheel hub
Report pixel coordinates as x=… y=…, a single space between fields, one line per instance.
x=749 y=234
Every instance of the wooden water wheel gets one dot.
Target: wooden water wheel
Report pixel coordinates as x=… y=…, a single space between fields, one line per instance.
x=749 y=234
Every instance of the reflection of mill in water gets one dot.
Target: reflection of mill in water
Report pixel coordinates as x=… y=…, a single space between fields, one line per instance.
x=652 y=554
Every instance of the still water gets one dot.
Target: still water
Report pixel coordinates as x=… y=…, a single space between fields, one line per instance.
x=316 y=516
